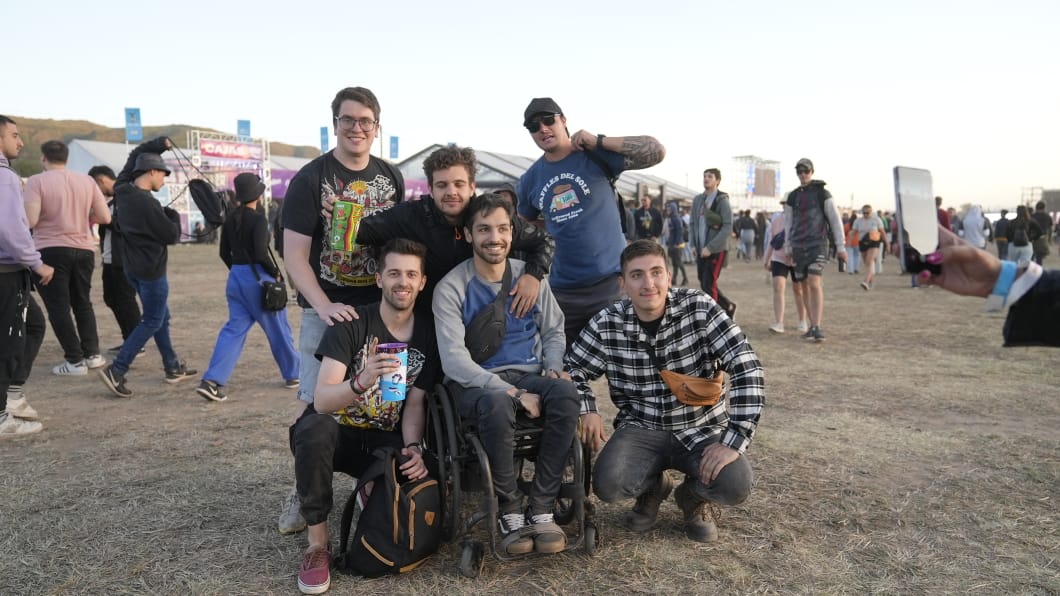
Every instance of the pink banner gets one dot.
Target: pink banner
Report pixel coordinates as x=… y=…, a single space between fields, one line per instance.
x=229 y=150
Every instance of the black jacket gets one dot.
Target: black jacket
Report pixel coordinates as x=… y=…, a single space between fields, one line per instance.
x=146 y=228
x=1034 y=320
x=446 y=245
x=245 y=241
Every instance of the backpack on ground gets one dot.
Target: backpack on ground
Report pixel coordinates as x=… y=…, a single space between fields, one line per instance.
x=400 y=526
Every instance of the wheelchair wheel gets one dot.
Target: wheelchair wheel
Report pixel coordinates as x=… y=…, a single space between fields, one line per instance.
x=436 y=444
x=454 y=498
x=471 y=558
x=574 y=474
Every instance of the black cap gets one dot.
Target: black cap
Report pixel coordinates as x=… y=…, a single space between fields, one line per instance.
x=249 y=187
x=540 y=105
x=804 y=163
x=145 y=162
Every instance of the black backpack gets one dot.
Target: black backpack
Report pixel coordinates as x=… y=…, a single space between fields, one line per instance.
x=400 y=526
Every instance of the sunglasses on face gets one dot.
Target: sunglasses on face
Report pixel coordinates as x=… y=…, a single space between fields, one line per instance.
x=802 y=171
x=535 y=123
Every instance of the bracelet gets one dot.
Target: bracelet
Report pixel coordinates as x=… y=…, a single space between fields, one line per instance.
x=416 y=445
x=600 y=141
x=355 y=385
x=1002 y=287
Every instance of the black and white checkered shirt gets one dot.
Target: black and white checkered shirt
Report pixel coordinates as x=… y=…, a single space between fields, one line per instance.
x=695 y=337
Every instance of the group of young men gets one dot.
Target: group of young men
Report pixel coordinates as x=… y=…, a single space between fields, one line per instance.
x=418 y=272
x=581 y=304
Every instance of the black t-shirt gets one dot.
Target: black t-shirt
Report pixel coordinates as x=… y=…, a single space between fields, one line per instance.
x=346 y=271
x=348 y=342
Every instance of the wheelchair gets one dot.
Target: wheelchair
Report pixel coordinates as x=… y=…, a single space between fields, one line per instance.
x=462 y=465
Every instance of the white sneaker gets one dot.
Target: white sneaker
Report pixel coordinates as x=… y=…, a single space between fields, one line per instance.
x=70 y=369
x=777 y=327
x=19 y=408
x=804 y=326
x=96 y=361
x=291 y=520
x=11 y=427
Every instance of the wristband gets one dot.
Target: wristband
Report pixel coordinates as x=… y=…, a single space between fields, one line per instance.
x=416 y=445
x=355 y=385
x=600 y=141
x=997 y=297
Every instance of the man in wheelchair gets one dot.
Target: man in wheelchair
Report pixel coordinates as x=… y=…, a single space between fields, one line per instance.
x=350 y=417
x=492 y=392
x=668 y=424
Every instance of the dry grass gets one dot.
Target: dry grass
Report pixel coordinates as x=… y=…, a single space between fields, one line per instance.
x=908 y=454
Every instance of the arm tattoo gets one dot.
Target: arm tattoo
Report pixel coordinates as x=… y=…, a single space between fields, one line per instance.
x=642 y=152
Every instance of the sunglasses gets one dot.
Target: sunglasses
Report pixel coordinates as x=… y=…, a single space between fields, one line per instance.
x=802 y=171
x=535 y=124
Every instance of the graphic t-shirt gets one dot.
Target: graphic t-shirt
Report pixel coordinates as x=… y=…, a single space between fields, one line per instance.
x=345 y=270
x=578 y=206
x=348 y=342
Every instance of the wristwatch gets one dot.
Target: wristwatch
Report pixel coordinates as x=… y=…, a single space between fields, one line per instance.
x=600 y=141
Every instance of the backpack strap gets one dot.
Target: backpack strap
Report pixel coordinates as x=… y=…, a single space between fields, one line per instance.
x=612 y=180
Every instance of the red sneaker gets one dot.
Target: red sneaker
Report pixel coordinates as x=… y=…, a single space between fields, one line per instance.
x=314 y=577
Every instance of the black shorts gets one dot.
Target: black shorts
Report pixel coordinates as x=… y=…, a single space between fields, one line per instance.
x=866 y=243
x=779 y=269
x=808 y=261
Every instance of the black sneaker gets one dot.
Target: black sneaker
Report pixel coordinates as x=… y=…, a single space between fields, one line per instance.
x=809 y=335
x=211 y=391
x=115 y=382
x=818 y=336
x=179 y=374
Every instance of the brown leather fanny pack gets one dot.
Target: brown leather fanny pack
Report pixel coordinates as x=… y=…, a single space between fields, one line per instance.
x=695 y=391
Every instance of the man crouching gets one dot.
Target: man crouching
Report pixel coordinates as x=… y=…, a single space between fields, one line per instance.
x=662 y=349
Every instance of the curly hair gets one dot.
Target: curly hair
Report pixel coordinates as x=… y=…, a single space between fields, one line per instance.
x=447 y=157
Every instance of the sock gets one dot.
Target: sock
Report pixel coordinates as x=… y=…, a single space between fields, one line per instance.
x=14 y=392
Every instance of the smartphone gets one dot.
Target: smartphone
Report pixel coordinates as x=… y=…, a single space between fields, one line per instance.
x=917 y=215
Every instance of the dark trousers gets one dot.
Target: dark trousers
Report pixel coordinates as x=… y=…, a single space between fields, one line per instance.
x=1002 y=249
x=70 y=290
x=23 y=331
x=580 y=305
x=321 y=446
x=120 y=297
x=633 y=458
x=708 y=270
x=493 y=413
x=677 y=263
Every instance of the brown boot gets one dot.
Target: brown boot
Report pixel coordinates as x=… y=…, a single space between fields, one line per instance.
x=699 y=514
x=644 y=513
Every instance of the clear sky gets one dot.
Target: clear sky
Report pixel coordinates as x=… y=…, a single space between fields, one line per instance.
x=966 y=89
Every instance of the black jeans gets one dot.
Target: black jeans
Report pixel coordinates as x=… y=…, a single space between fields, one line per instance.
x=120 y=297
x=321 y=446
x=677 y=263
x=493 y=413
x=633 y=458
x=70 y=289
x=21 y=337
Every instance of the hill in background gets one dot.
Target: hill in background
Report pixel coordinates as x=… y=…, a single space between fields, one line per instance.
x=36 y=131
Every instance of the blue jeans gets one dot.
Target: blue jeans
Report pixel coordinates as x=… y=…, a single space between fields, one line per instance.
x=309 y=335
x=633 y=459
x=154 y=295
x=244 y=295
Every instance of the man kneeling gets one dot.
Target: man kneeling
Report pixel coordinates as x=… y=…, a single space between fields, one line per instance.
x=492 y=392
x=350 y=417
x=660 y=328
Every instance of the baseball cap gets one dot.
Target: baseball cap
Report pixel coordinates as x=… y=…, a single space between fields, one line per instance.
x=145 y=162
x=804 y=163
x=540 y=105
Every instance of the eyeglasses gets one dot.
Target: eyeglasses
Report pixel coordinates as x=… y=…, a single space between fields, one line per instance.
x=347 y=123
x=802 y=171
x=535 y=124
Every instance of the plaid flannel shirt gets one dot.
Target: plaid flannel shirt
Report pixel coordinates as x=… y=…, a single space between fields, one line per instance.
x=695 y=337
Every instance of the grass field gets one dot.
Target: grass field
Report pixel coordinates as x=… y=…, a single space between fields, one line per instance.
x=908 y=454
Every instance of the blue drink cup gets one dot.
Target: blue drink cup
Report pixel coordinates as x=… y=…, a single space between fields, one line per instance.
x=392 y=386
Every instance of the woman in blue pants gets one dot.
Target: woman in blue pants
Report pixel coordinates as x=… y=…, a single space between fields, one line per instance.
x=244 y=249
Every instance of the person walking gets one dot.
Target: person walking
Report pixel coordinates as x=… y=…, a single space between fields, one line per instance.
x=61 y=206
x=778 y=263
x=976 y=227
x=118 y=295
x=244 y=250
x=674 y=240
x=870 y=235
x=1022 y=232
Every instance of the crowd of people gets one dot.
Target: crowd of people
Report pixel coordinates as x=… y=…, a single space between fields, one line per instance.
x=592 y=294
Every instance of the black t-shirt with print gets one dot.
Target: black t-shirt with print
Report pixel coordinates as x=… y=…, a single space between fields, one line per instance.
x=348 y=342
x=345 y=271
